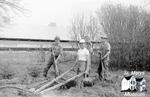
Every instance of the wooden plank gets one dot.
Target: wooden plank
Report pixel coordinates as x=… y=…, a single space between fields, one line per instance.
x=54 y=80
x=55 y=63
x=58 y=85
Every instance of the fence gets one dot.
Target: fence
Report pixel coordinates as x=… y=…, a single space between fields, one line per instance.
x=29 y=51
x=32 y=51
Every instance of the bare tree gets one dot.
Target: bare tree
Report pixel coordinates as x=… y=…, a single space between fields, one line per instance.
x=78 y=27
x=123 y=24
x=9 y=8
x=83 y=27
x=130 y=27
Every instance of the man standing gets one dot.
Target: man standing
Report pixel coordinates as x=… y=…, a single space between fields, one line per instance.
x=105 y=49
x=56 y=52
x=83 y=59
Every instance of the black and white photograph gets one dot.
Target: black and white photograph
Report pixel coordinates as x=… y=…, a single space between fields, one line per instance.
x=74 y=48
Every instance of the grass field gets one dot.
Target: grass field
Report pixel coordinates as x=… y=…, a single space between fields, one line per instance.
x=101 y=89
x=18 y=69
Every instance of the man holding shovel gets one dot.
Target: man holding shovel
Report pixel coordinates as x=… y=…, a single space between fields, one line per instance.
x=104 y=53
x=56 y=52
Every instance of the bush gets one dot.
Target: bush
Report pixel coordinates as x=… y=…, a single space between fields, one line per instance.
x=34 y=71
x=130 y=56
x=7 y=72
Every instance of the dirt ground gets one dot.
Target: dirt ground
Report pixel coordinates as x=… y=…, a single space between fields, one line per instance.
x=100 y=88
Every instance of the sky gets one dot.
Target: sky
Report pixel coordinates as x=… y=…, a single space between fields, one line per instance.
x=62 y=11
x=59 y=11
x=43 y=12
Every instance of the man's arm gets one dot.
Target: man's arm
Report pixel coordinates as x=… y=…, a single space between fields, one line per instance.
x=60 y=53
x=108 y=51
x=107 y=54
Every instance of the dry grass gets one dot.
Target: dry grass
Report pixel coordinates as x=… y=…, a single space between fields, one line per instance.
x=100 y=89
x=26 y=72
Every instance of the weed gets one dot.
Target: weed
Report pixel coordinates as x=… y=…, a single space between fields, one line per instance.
x=34 y=71
x=7 y=72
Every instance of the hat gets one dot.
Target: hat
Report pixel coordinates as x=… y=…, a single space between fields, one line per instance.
x=57 y=38
x=82 y=41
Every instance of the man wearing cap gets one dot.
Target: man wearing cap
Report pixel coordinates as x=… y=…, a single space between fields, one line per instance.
x=104 y=52
x=56 y=52
x=83 y=58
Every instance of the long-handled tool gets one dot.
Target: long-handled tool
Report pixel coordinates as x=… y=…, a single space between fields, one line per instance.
x=100 y=66
x=55 y=63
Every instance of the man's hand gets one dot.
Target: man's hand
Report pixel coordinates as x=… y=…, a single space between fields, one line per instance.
x=106 y=55
x=86 y=72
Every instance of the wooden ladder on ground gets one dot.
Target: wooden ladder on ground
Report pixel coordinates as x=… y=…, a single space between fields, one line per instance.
x=57 y=82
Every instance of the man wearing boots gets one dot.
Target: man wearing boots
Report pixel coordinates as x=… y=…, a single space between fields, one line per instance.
x=56 y=52
x=104 y=53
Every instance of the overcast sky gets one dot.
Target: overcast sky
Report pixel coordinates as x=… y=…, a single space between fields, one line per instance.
x=42 y=12
x=61 y=11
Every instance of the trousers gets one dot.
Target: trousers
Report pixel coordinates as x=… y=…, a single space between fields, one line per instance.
x=81 y=67
x=105 y=69
x=50 y=63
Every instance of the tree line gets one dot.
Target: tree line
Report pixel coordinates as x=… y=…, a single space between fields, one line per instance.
x=127 y=29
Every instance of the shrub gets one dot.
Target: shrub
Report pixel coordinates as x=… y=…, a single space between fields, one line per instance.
x=7 y=72
x=34 y=71
x=130 y=56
